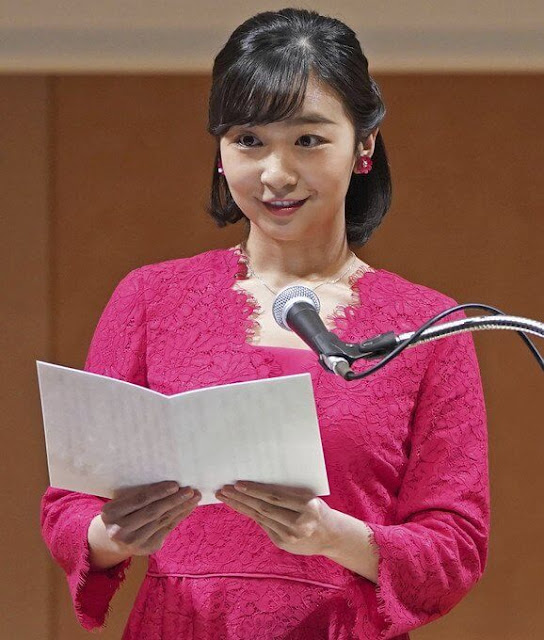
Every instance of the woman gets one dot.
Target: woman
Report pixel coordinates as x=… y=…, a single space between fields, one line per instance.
x=402 y=537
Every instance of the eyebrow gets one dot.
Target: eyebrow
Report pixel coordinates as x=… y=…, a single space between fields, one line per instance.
x=309 y=118
x=306 y=118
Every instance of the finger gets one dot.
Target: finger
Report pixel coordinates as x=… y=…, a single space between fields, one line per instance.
x=167 y=521
x=178 y=516
x=278 y=519
x=294 y=498
x=283 y=510
x=273 y=535
x=254 y=507
x=140 y=536
x=155 y=539
x=167 y=485
x=134 y=498
x=150 y=513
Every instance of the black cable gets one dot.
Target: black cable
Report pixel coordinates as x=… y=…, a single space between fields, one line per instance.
x=351 y=375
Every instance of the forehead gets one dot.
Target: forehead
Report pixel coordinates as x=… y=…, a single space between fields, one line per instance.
x=321 y=106
x=320 y=98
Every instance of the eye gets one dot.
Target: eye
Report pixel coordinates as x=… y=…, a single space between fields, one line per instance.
x=245 y=136
x=245 y=139
x=308 y=136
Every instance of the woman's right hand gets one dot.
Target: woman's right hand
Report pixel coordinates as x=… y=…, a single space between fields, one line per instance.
x=137 y=520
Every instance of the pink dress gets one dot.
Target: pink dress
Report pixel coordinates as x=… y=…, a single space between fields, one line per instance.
x=405 y=451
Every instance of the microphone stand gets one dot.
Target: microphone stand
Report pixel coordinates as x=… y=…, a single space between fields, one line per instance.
x=338 y=356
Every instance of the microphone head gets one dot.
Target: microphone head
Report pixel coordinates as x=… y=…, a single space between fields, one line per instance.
x=287 y=297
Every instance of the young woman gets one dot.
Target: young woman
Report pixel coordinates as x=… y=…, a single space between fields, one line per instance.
x=402 y=537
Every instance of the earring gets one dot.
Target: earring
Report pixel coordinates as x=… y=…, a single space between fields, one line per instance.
x=219 y=167
x=364 y=165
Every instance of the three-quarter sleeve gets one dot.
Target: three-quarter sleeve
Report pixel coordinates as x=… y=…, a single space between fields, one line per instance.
x=437 y=551
x=117 y=350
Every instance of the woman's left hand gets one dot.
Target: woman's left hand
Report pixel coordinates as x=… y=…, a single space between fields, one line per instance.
x=295 y=519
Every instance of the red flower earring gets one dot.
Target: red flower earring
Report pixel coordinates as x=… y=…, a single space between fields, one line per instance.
x=219 y=167
x=364 y=164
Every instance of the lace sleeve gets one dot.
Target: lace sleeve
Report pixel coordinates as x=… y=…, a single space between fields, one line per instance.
x=437 y=552
x=117 y=350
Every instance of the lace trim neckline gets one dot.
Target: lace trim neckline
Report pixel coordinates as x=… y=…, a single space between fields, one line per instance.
x=337 y=321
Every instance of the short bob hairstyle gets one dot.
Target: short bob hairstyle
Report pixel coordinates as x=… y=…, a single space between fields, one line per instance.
x=260 y=76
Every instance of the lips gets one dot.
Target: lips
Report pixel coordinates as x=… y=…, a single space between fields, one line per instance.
x=285 y=210
x=286 y=202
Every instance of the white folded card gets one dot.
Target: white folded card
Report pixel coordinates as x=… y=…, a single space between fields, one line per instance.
x=102 y=434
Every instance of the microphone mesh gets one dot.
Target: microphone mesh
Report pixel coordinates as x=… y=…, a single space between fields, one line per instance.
x=287 y=296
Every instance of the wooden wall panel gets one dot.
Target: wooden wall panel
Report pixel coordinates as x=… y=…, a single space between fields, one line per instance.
x=24 y=337
x=133 y=166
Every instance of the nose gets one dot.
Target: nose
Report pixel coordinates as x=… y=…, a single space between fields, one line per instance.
x=277 y=173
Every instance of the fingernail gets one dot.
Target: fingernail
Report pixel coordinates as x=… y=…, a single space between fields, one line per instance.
x=172 y=487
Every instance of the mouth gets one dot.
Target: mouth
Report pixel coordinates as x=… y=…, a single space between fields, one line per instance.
x=284 y=207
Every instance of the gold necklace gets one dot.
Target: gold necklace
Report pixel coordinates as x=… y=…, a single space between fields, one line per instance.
x=253 y=273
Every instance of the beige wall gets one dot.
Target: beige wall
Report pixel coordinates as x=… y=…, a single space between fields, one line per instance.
x=183 y=36
x=104 y=173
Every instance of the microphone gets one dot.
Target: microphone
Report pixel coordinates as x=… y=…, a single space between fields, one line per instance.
x=296 y=308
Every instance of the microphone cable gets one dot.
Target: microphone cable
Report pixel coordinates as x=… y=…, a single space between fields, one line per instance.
x=383 y=343
x=337 y=356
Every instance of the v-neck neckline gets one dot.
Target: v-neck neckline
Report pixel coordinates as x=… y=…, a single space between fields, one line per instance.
x=357 y=281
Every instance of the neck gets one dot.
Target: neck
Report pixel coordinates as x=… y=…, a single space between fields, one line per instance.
x=281 y=262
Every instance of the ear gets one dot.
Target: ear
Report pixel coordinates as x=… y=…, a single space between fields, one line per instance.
x=366 y=147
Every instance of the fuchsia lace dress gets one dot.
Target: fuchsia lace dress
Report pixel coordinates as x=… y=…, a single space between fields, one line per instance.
x=405 y=451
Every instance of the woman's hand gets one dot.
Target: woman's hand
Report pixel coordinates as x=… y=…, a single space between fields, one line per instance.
x=137 y=520
x=295 y=519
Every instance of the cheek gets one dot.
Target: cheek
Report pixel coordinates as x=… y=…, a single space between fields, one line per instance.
x=244 y=190
x=329 y=171
x=241 y=179
x=331 y=180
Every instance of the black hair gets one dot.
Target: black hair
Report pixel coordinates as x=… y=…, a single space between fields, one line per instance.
x=260 y=76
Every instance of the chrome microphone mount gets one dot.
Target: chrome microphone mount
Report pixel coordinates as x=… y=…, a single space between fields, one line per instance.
x=298 y=306
x=389 y=345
